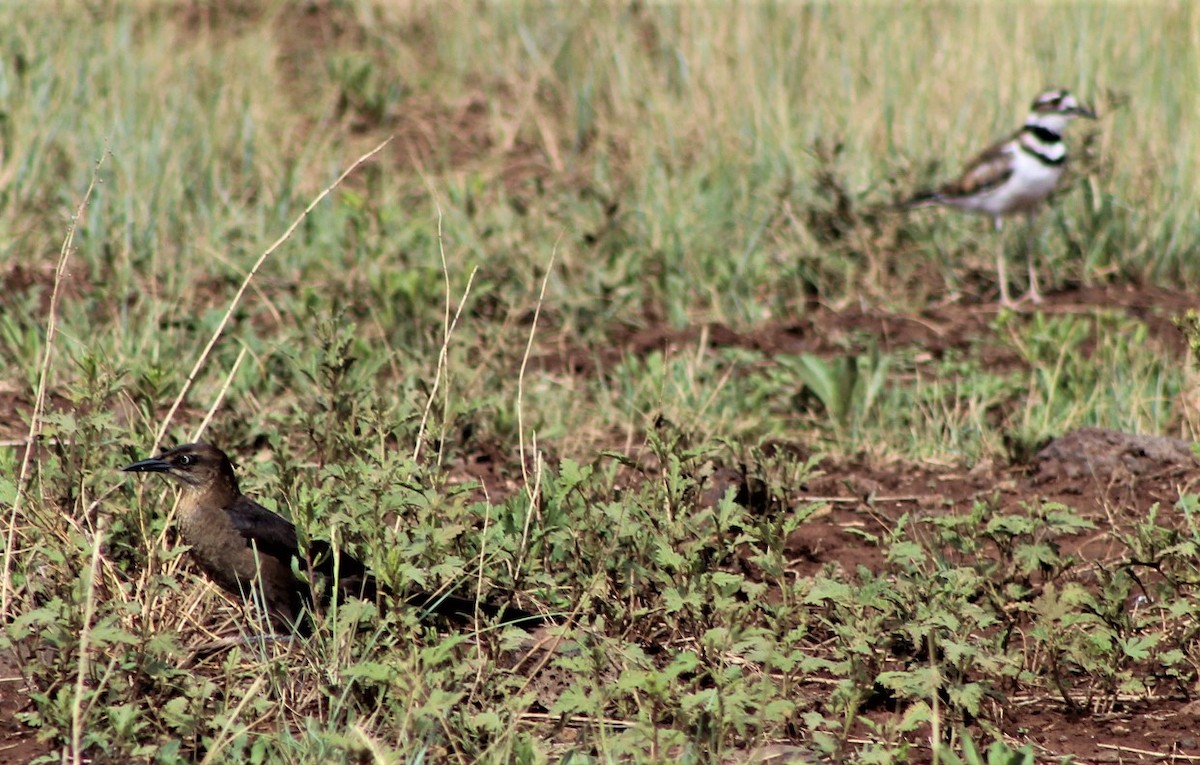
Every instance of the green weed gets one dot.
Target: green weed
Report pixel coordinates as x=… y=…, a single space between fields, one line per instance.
x=727 y=170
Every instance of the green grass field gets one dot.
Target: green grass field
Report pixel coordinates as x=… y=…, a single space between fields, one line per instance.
x=611 y=255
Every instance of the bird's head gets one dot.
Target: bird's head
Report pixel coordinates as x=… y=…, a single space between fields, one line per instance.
x=195 y=466
x=1055 y=108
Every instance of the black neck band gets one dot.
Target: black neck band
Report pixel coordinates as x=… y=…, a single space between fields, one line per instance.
x=1043 y=134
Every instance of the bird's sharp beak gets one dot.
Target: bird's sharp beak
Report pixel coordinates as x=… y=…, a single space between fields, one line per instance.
x=1083 y=111
x=153 y=465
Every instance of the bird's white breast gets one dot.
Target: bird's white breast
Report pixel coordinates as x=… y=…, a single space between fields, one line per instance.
x=1030 y=183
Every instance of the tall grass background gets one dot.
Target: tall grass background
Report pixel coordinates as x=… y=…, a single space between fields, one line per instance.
x=674 y=164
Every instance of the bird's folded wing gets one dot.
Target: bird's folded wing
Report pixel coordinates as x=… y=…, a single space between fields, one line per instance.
x=987 y=171
x=272 y=534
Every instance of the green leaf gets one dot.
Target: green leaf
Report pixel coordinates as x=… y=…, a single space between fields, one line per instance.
x=968 y=697
x=1139 y=648
x=827 y=589
x=1033 y=557
x=916 y=683
x=123 y=717
x=728 y=583
x=570 y=474
x=370 y=670
x=778 y=710
x=1000 y=753
x=672 y=601
x=706 y=699
x=177 y=713
x=917 y=714
x=906 y=552
x=686 y=661
x=668 y=558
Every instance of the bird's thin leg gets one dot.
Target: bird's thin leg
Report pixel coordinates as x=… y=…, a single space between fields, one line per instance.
x=1002 y=271
x=1030 y=242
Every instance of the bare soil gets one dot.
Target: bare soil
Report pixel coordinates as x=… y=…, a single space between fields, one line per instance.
x=18 y=743
x=825 y=330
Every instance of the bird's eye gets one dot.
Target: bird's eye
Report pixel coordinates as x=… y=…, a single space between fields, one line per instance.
x=186 y=460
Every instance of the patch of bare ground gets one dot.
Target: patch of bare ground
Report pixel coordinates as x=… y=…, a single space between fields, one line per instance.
x=1110 y=478
x=827 y=331
x=18 y=743
x=14 y=424
x=19 y=279
x=1137 y=730
x=16 y=408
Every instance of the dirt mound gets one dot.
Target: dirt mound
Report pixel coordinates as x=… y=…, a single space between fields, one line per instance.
x=1092 y=455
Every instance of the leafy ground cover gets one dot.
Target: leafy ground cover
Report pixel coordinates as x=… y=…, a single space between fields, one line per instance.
x=618 y=325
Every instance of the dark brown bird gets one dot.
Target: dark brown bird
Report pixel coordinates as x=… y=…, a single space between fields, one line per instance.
x=246 y=548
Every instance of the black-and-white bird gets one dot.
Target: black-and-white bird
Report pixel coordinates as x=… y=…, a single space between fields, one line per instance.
x=1015 y=176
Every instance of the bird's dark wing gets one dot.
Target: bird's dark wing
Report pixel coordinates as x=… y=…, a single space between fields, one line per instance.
x=988 y=170
x=463 y=609
x=272 y=534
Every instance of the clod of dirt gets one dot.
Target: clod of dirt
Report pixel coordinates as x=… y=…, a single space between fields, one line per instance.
x=1112 y=457
x=18 y=742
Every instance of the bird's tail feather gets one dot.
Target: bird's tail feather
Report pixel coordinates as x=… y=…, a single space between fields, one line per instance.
x=923 y=199
x=463 y=609
x=356 y=581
